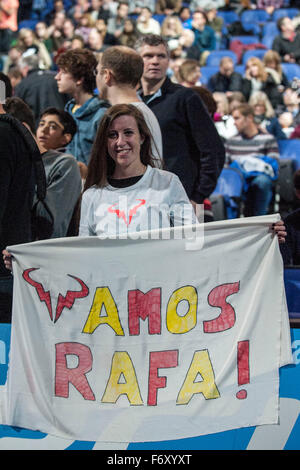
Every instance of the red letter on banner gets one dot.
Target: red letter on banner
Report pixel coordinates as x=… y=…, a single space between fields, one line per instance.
x=217 y=298
x=75 y=376
x=142 y=305
x=159 y=360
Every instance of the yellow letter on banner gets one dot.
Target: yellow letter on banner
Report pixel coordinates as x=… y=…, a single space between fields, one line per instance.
x=122 y=367
x=182 y=324
x=104 y=298
x=201 y=364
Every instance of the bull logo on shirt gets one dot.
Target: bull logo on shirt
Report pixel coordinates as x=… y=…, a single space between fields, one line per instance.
x=121 y=213
x=66 y=301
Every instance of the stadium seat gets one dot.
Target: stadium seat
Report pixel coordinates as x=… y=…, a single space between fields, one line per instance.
x=255 y=53
x=251 y=16
x=246 y=39
x=240 y=69
x=159 y=18
x=290 y=148
x=252 y=28
x=27 y=24
x=267 y=40
x=229 y=17
x=291 y=70
x=290 y=12
x=270 y=28
x=207 y=72
x=230 y=186
x=215 y=56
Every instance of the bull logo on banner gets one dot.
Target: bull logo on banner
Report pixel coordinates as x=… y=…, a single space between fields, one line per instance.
x=66 y=301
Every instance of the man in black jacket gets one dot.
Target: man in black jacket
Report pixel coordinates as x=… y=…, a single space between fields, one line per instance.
x=192 y=148
x=226 y=80
x=287 y=43
x=16 y=195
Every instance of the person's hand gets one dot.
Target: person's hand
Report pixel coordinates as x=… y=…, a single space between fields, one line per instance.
x=279 y=229
x=83 y=170
x=7 y=258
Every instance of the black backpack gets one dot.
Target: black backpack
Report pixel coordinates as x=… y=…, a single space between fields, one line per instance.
x=42 y=228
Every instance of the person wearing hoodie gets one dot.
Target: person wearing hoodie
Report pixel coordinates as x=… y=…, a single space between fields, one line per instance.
x=76 y=77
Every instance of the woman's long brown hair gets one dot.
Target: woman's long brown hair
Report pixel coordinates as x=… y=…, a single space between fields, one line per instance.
x=101 y=165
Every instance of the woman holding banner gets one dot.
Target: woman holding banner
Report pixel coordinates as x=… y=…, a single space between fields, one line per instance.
x=124 y=192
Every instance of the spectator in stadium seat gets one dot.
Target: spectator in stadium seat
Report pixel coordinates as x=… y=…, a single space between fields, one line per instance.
x=28 y=44
x=115 y=24
x=287 y=43
x=269 y=5
x=205 y=38
x=256 y=153
x=130 y=34
x=146 y=24
x=168 y=7
x=108 y=38
x=76 y=77
x=226 y=80
x=272 y=63
x=291 y=101
x=257 y=78
x=264 y=115
x=194 y=4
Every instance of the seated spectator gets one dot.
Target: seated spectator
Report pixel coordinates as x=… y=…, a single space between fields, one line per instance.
x=291 y=102
x=13 y=56
x=55 y=30
x=224 y=122
x=77 y=42
x=291 y=249
x=287 y=43
x=145 y=24
x=41 y=32
x=168 y=7
x=226 y=80
x=95 y=41
x=171 y=28
x=189 y=73
x=28 y=44
x=205 y=38
x=214 y=21
x=258 y=79
x=15 y=76
x=115 y=24
x=184 y=15
x=130 y=33
x=108 y=38
x=272 y=63
x=68 y=30
x=135 y=6
x=286 y=122
x=256 y=154
x=97 y=11
x=264 y=115
x=85 y=26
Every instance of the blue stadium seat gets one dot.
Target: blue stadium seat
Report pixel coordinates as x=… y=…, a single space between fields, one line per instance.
x=270 y=28
x=291 y=70
x=255 y=53
x=215 y=56
x=290 y=148
x=207 y=72
x=252 y=28
x=27 y=24
x=230 y=185
x=159 y=18
x=292 y=290
x=240 y=69
x=258 y=16
x=245 y=39
x=290 y=12
x=229 y=17
x=267 y=40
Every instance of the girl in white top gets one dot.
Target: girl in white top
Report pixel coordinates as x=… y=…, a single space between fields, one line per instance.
x=124 y=192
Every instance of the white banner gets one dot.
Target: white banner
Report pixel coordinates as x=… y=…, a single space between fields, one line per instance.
x=148 y=340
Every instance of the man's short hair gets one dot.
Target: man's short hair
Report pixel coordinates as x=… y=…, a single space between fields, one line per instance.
x=245 y=109
x=152 y=40
x=126 y=64
x=20 y=110
x=66 y=120
x=81 y=64
x=280 y=21
x=31 y=61
x=225 y=59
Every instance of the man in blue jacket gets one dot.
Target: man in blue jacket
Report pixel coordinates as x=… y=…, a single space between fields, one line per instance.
x=76 y=77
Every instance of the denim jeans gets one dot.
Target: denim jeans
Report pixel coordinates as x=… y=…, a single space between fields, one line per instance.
x=259 y=195
x=6 y=290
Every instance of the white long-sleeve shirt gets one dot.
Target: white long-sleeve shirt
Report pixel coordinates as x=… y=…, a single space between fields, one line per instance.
x=145 y=205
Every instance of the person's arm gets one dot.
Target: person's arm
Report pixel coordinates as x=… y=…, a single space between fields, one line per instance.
x=210 y=148
x=7 y=164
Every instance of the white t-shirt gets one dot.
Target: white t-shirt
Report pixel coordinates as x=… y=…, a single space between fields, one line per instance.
x=154 y=127
x=146 y=205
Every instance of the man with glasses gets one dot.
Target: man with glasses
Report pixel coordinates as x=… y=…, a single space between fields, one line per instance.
x=77 y=77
